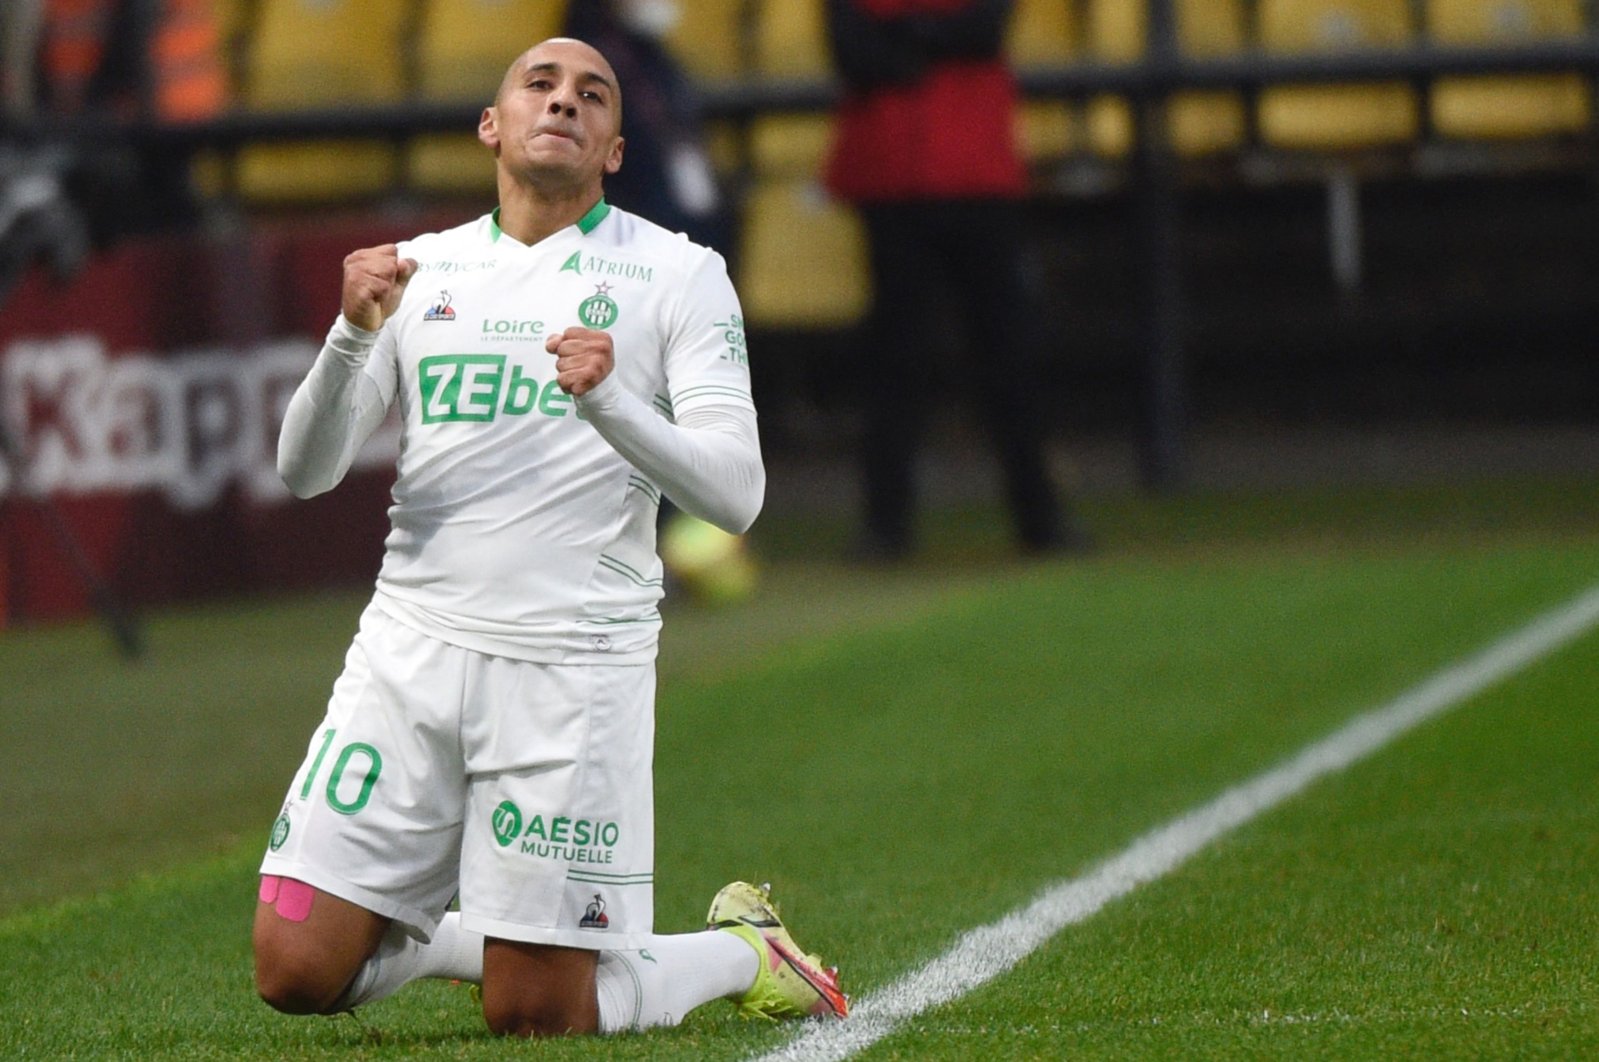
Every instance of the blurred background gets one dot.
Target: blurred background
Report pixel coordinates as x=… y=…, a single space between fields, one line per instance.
x=1273 y=240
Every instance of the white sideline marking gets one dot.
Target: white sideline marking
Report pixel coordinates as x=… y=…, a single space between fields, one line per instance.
x=986 y=952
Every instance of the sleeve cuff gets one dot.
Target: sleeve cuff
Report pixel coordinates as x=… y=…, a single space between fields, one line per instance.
x=350 y=342
x=602 y=398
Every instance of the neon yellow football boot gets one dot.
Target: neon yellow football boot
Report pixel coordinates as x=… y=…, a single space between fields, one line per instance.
x=790 y=984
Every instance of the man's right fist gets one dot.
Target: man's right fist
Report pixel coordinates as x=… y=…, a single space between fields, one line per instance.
x=374 y=280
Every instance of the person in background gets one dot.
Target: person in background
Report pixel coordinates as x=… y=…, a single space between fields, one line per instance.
x=151 y=61
x=924 y=146
x=669 y=177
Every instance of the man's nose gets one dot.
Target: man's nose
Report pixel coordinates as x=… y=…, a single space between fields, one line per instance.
x=559 y=104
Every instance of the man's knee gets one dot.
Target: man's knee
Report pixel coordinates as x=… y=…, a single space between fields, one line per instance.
x=533 y=990
x=308 y=945
x=530 y=1014
x=295 y=979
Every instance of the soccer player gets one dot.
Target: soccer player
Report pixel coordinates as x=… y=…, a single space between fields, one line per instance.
x=558 y=365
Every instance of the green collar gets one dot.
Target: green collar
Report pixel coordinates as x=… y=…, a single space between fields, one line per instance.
x=585 y=224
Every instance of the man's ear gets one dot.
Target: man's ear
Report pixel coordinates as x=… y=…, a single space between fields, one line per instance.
x=614 y=161
x=488 y=130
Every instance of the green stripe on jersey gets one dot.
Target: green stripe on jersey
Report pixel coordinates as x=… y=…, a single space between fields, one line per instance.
x=598 y=877
x=710 y=389
x=626 y=571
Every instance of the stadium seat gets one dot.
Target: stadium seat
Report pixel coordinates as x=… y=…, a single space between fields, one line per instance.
x=1043 y=34
x=1337 y=121
x=1198 y=122
x=802 y=257
x=790 y=41
x=462 y=50
x=308 y=54
x=1336 y=117
x=708 y=38
x=1506 y=107
x=802 y=260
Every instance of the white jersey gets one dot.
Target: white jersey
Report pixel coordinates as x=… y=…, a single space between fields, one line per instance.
x=517 y=529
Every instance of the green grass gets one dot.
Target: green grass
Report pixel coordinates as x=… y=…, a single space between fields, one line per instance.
x=930 y=748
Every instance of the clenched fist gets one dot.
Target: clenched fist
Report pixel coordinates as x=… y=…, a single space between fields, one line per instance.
x=374 y=280
x=583 y=358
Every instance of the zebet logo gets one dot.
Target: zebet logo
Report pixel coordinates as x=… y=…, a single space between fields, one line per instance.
x=576 y=840
x=475 y=387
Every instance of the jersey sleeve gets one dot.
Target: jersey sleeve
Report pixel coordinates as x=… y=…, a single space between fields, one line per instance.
x=338 y=405
x=706 y=358
x=707 y=456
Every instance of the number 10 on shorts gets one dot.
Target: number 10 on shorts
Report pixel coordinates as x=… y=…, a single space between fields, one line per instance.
x=351 y=758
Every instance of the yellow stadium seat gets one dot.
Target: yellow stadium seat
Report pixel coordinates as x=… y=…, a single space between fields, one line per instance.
x=708 y=37
x=790 y=42
x=1043 y=34
x=1336 y=117
x=463 y=48
x=802 y=257
x=309 y=54
x=791 y=39
x=789 y=145
x=1199 y=122
x=1504 y=107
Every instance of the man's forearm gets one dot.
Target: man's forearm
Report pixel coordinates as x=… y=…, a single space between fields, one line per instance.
x=709 y=464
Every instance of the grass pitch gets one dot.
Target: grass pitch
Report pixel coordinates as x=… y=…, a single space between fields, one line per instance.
x=910 y=754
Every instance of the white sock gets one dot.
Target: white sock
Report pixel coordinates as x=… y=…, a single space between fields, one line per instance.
x=660 y=983
x=452 y=953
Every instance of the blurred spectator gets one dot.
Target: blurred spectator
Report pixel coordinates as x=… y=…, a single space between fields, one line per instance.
x=156 y=61
x=924 y=146
x=666 y=171
x=19 y=44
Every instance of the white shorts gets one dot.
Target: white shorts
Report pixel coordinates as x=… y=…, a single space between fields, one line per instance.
x=524 y=787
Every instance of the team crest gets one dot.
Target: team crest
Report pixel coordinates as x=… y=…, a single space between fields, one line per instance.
x=599 y=310
x=280 y=831
x=441 y=310
x=594 y=915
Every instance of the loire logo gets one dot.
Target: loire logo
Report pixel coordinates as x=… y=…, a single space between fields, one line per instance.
x=280 y=831
x=507 y=823
x=599 y=310
x=441 y=310
x=594 y=915
x=508 y=329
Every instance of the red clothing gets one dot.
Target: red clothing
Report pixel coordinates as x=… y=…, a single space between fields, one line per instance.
x=949 y=134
